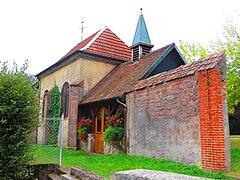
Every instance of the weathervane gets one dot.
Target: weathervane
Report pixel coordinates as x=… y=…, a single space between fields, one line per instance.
x=82 y=31
x=141 y=10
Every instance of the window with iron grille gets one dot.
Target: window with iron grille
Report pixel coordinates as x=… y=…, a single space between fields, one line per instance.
x=65 y=98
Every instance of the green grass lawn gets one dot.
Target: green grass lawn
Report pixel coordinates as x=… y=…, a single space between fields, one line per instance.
x=235 y=136
x=235 y=156
x=105 y=164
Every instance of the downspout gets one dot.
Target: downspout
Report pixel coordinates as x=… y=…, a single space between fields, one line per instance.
x=121 y=103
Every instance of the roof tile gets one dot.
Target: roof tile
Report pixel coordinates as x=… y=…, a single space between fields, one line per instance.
x=209 y=62
x=108 y=44
x=104 y=43
x=125 y=77
x=81 y=44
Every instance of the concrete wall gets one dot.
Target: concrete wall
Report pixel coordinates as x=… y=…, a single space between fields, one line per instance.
x=82 y=69
x=163 y=121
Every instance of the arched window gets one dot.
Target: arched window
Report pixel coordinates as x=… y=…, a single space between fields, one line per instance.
x=45 y=104
x=65 y=98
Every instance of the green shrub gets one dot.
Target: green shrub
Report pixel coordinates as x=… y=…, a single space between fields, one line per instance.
x=114 y=132
x=18 y=110
x=54 y=111
x=84 y=127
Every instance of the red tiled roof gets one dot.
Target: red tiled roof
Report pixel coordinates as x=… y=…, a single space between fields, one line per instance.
x=106 y=43
x=122 y=78
x=82 y=44
x=125 y=77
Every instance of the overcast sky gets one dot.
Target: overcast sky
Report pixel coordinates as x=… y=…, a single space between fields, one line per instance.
x=42 y=31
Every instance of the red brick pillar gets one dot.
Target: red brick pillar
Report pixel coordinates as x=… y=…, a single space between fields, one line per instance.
x=75 y=95
x=211 y=97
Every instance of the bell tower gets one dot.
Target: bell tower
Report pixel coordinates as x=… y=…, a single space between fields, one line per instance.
x=141 y=42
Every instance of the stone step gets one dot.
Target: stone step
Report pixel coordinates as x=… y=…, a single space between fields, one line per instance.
x=84 y=174
x=68 y=177
x=63 y=170
x=151 y=174
x=59 y=172
x=54 y=177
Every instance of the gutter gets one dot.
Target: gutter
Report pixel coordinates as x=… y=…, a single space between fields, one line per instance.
x=76 y=54
x=98 y=101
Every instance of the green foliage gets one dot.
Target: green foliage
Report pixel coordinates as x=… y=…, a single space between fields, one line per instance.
x=84 y=127
x=114 y=132
x=236 y=136
x=104 y=165
x=55 y=108
x=18 y=110
x=231 y=45
x=193 y=52
x=54 y=111
x=109 y=135
x=235 y=152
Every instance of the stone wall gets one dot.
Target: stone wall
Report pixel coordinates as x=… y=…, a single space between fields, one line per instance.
x=184 y=120
x=75 y=95
x=163 y=121
x=41 y=171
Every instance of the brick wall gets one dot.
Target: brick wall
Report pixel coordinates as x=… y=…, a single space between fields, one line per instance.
x=183 y=120
x=163 y=121
x=212 y=94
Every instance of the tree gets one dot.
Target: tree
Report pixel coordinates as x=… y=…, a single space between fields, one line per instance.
x=193 y=52
x=231 y=45
x=18 y=109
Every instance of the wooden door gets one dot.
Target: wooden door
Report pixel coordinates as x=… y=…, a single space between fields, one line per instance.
x=99 y=129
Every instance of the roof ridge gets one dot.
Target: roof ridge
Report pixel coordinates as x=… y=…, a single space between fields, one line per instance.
x=94 y=38
x=157 y=50
x=80 y=44
x=181 y=71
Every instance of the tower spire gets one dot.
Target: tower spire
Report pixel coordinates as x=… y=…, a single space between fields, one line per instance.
x=141 y=44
